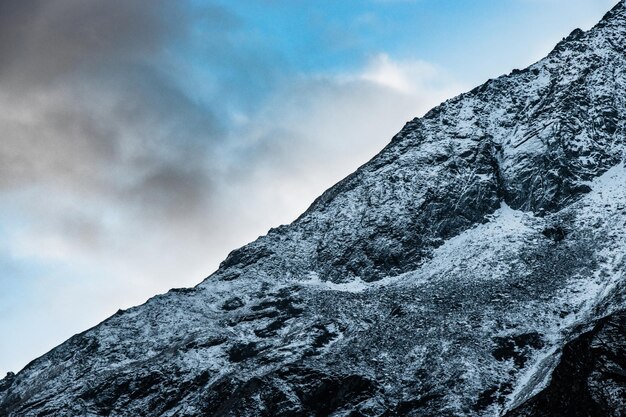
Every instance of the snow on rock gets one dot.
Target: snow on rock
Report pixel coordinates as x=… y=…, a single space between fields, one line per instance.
x=443 y=277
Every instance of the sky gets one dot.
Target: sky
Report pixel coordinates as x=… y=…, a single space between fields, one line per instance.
x=142 y=140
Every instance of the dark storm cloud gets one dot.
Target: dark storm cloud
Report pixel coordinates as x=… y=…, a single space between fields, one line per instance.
x=89 y=105
x=43 y=39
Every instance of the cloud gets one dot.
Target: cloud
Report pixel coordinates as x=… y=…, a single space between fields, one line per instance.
x=145 y=139
x=43 y=41
x=105 y=157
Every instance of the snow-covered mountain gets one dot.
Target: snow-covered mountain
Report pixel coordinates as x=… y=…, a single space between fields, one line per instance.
x=474 y=267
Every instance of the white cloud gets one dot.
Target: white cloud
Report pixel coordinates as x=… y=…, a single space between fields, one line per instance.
x=382 y=70
x=316 y=130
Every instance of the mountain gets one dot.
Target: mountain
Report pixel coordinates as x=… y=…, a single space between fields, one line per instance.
x=474 y=267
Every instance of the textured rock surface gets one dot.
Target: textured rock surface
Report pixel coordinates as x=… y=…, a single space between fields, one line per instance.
x=590 y=379
x=441 y=278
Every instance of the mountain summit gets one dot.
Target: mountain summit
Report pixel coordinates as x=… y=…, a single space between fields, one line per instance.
x=474 y=267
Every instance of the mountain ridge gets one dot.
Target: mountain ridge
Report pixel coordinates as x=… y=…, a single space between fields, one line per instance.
x=442 y=277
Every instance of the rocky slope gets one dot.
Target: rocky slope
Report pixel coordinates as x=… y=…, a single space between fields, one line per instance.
x=444 y=277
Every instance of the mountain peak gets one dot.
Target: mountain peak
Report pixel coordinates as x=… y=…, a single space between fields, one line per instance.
x=616 y=11
x=608 y=34
x=616 y=17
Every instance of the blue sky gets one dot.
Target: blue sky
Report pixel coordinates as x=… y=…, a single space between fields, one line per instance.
x=330 y=35
x=143 y=140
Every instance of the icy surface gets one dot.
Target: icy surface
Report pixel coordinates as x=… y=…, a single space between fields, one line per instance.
x=441 y=278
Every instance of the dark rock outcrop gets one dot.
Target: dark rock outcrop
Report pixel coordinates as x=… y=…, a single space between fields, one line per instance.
x=590 y=379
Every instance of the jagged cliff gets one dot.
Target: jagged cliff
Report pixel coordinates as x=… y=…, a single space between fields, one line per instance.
x=444 y=277
x=590 y=379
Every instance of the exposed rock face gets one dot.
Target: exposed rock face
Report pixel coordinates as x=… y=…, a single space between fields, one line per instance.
x=441 y=278
x=590 y=379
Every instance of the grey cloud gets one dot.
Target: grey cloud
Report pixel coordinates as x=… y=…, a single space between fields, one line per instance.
x=60 y=36
x=44 y=39
x=89 y=106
